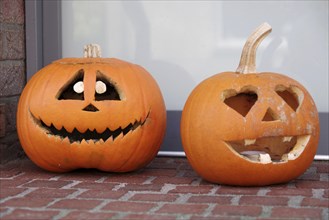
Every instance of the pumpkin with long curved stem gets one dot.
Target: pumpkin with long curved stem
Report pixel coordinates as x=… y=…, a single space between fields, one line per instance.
x=91 y=112
x=247 y=128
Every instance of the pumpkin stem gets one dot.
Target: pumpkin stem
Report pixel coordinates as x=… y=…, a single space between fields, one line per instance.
x=91 y=51
x=248 y=56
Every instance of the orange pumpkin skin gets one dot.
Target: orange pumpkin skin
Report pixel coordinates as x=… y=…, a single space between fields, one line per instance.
x=141 y=111
x=209 y=126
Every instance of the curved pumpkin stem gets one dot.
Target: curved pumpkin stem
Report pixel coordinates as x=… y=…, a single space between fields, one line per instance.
x=248 y=56
x=91 y=51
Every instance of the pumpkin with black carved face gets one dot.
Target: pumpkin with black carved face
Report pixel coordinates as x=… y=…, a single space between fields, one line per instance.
x=247 y=128
x=91 y=112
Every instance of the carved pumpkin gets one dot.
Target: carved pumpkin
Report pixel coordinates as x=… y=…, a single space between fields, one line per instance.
x=91 y=112
x=247 y=128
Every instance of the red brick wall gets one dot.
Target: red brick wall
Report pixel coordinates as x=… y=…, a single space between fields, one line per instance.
x=12 y=74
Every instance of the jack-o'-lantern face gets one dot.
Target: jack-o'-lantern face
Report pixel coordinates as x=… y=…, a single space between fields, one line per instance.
x=73 y=92
x=91 y=113
x=248 y=128
x=271 y=107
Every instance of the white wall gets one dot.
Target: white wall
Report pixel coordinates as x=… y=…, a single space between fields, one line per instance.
x=183 y=42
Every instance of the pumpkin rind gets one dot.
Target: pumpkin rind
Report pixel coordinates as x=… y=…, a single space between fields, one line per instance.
x=141 y=104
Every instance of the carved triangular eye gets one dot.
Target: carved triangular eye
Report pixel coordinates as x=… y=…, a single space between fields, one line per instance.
x=241 y=102
x=105 y=89
x=73 y=89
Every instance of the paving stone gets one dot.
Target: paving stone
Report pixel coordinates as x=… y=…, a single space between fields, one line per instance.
x=232 y=210
x=287 y=212
x=183 y=208
x=80 y=204
x=102 y=194
x=55 y=184
x=154 y=197
x=31 y=214
x=124 y=206
x=88 y=215
x=192 y=189
x=27 y=202
x=224 y=200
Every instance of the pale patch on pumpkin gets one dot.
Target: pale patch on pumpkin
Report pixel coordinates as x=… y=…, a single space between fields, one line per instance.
x=283 y=116
x=313 y=113
x=309 y=128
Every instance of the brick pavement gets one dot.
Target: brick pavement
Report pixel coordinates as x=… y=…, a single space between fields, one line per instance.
x=166 y=189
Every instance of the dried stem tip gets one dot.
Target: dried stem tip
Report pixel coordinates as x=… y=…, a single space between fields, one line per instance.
x=91 y=51
x=248 y=56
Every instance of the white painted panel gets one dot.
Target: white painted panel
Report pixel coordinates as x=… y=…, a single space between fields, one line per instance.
x=183 y=42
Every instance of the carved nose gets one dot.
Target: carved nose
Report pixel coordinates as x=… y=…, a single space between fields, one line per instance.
x=270 y=115
x=90 y=108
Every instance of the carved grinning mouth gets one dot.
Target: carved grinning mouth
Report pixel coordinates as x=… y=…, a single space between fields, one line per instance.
x=270 y=149
x=89 y=135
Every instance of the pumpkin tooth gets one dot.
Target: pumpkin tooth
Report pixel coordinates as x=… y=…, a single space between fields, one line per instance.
x=127 y=129
x=249 y=141
x=43 y=123
x=135 y=125
x=101 y=130
x=90 y=141
x=264 y=158
x=287 y=138
x=81 y=130
x=289 y=156
x=101 y=141
x=57 y=126
x=68 y=129
x=66 y=140
x=118 y=137
x=110 y=138
x=116 y=133
x=106 y=134
x=83 y=141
